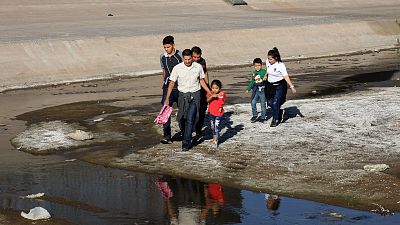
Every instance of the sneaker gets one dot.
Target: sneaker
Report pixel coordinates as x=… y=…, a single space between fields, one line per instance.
x=261 y=119
x=166 y=140
x=215 y=144
x=253 y=119
x=274 y=123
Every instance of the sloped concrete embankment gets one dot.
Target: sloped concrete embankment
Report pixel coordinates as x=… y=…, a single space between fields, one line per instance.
x=32 y=63
x=322 y=6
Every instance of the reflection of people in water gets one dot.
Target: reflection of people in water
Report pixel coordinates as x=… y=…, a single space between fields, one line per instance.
x=188 y=202
x=183 y=200
x=272 y=202
x=214 y=199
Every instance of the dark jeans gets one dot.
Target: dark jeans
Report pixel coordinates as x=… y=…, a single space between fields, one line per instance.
x=276 y=101
x=187 y=124
x=202 y=111
x=172 y=98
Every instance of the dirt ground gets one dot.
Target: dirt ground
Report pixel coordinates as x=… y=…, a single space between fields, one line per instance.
x=334 y=125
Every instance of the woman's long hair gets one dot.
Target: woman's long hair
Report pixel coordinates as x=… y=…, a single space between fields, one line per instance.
x=274 y=53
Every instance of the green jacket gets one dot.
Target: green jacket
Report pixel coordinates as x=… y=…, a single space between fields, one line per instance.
x=256 y=79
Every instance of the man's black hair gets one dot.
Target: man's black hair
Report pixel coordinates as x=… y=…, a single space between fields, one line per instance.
x=196 y=50
x=187 y=52
x=168 y=40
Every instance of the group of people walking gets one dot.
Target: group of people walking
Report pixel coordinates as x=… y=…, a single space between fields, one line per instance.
x=269 y=86
x=186 y=83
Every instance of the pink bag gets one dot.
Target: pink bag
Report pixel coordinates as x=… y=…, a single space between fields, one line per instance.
x=164 y=115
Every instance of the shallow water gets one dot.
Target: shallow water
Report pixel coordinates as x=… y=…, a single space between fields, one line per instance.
x=83 y=193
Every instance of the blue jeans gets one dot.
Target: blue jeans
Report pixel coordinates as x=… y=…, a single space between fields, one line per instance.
x=259 y=95
x=275 y=102
x=215 y=121
x=172 y=98
x=187 y=125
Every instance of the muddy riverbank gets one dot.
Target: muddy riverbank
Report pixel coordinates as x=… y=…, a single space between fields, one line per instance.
x=319 y=157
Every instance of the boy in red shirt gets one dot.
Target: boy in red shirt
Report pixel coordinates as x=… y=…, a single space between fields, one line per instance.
x=216 y=102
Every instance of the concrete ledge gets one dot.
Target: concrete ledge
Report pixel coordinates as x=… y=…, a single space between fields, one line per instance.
x=34 y=63
x=322 y=6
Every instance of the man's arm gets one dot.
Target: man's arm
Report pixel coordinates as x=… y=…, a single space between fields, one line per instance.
x=163 y=78
x=206 y=79
x=204 y=85
x=170 y=87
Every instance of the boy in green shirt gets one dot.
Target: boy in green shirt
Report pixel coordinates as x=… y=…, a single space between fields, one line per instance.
x=257 y=85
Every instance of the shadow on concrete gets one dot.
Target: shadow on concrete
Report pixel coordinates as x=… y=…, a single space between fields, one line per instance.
x=291 y=112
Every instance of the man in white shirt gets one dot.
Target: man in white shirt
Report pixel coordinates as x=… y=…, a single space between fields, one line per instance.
x=190 y=77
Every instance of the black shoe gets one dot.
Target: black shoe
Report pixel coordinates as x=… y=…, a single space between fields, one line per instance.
x=198 y=138
x=185 y=148
x=253 y=119
x=177 y=137
x=274 y=123
x=166 y=140
x=261 y=119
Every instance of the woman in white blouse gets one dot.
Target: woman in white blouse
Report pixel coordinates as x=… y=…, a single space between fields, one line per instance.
x=278 y=82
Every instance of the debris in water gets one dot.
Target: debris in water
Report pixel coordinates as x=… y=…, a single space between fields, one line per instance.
x=98 y=120
x=38 y=195
x=37 y=213
x=70 y=160
x=333 y=214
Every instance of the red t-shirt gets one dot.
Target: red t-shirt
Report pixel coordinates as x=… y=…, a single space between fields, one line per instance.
x=217 y=103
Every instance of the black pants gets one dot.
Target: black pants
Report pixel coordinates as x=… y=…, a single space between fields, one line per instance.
x=276 y=96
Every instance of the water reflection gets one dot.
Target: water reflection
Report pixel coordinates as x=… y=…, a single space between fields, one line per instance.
x=88 y=194
x=192 y=202
x=272 y=202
